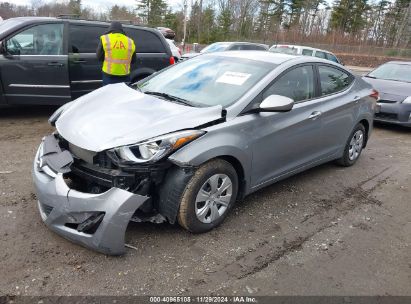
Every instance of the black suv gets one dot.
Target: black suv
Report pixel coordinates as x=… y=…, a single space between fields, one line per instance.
x=52 y=60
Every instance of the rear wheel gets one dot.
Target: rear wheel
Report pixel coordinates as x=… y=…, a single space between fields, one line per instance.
x=353 y=147
x=208 y=196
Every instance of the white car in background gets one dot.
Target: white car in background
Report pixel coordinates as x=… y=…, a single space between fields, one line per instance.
x=304 y=50
x=174 y=50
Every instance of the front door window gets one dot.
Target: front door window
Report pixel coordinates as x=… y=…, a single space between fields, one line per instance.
x=44 y=39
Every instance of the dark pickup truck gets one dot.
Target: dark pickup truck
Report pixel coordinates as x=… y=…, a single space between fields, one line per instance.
x=52 y=60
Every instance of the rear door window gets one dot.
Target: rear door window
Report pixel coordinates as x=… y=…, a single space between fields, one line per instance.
x=297 y=84
x=253 y=47
x=260 y=48
x=307 y=52
x=333 y=80
x=85 y=38
x=235 y=47
x=145 y=41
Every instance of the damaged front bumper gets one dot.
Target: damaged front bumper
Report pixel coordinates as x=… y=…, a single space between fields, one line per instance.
x=96 y=221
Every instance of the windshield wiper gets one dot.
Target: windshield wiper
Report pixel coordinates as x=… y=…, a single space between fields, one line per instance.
x=368 y=76
x=170 y=97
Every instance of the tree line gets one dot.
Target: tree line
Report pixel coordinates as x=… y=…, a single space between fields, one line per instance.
x=366 y=22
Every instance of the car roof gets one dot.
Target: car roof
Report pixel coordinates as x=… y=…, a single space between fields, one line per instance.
x=301 y=46
x=29 y=20
x=239 y=42
x=274 y=58
x=400 y=62
x=264 y=56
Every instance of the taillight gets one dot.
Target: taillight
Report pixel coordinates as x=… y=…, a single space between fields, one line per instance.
x=172 y=61
x=374 y=94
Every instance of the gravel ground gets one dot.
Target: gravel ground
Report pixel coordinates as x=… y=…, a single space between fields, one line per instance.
x=328 y=231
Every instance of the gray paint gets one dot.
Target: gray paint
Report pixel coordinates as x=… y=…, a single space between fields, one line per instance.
x=134 y=117
x=269 y=146
x=119 y=206
x=395 y=92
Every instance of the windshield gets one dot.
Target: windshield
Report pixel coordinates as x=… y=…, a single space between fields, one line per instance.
x=392 y=71
x=215 y=47
x=7 y=24
x=206 y=81
x=284 y=50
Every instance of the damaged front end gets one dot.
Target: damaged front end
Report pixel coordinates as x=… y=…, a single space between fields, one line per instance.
x=90 y=197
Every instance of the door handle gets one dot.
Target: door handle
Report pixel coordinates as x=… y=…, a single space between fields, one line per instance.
x=79 y=61
x=357 y=99
x=314 y=115
x=57 y=64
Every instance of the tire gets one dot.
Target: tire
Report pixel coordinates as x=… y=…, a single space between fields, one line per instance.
x=353 y=147
x=197 y=212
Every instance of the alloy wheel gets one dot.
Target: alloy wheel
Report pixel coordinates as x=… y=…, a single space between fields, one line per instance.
x=356 y=145
x=213 y=198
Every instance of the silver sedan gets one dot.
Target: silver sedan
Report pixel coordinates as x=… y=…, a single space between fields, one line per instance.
x=184 y=144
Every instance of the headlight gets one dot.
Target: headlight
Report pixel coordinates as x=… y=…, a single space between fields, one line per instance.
x=53 y=118
x=156 y=148
x=407 y=100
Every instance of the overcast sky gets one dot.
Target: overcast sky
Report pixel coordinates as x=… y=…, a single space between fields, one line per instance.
x=99 y=5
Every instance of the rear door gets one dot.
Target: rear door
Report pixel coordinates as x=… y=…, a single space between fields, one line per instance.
x=339 y=107
x=34 y=70
x=153 y=53
x=84 y=67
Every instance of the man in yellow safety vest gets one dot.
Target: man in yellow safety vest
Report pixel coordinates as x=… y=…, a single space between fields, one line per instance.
x=118 y=52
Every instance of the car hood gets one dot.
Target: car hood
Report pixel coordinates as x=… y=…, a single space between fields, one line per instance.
x=390 y=89
x=118 y=115
x=190 y=55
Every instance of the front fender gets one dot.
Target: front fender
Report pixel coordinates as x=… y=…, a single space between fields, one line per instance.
x=221 y=142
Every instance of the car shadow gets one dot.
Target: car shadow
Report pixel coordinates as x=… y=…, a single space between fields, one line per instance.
x=24 y=112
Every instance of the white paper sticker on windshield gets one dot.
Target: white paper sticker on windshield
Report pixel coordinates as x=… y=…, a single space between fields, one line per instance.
x=235 y=78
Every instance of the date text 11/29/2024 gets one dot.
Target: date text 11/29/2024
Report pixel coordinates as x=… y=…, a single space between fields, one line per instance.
x=204 y=299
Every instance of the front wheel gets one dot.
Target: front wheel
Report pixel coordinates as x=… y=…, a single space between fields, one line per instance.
x=208 y=196
x=353 y=147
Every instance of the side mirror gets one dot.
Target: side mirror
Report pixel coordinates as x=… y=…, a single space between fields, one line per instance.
x=276 y=103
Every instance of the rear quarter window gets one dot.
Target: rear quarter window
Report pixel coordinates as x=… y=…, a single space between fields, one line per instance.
x=333 y=80
x=307 y=52
x=320 y=55
x=145 y=41
x=331 y=57
x=85 y=38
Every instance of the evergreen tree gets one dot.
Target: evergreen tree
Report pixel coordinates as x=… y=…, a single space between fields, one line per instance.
x=75 y=7
x=152 y=12
x=348 y=15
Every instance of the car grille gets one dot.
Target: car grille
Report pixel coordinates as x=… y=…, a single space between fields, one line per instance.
x=387 y=116
x=386 y=101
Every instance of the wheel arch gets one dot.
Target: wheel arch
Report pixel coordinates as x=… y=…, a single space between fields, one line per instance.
x=238 y=167
x=171 y=190
x=367 y=126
